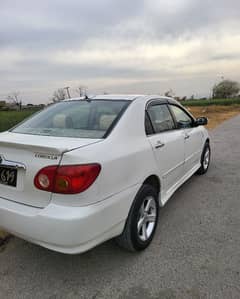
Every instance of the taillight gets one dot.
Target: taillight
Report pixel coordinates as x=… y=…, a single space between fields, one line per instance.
x=67 y=179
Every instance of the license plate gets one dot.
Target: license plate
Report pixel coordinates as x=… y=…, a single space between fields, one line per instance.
x=8 y=176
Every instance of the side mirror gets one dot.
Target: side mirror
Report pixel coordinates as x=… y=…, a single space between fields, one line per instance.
x=201 y=121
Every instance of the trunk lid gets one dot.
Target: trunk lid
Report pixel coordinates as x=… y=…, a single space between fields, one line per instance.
x=28 y=154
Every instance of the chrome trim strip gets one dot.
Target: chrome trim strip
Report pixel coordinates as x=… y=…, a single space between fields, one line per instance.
x=13 y=164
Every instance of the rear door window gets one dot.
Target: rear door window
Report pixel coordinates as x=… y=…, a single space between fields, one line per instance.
x=161 y=118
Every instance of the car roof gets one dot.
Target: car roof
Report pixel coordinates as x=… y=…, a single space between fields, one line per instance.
x=126 y=97
x=107 y=97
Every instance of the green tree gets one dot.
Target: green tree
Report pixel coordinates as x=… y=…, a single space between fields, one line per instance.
x=226 y=89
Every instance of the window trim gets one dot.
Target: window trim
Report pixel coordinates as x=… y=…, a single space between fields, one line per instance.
x=154 y=102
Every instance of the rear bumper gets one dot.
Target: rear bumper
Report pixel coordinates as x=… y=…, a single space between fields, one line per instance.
x=68 y=229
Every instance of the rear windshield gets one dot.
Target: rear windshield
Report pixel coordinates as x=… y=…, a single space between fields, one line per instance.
x=79 y=119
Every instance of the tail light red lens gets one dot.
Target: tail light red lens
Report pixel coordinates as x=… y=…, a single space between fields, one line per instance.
x=67 y=179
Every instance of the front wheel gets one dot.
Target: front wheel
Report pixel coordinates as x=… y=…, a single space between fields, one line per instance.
x=142 y=220
x=205 y=159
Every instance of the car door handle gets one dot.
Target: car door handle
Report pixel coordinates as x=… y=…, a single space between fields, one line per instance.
x=159 y=144
x=186 y=136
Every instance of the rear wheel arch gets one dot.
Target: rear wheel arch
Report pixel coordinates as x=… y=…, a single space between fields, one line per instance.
x=154 y=181
x=151 y=180
x=129 y=238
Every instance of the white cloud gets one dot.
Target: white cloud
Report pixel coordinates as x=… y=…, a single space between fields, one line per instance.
x=167 y=7
x=146 y=45
x=184 y=54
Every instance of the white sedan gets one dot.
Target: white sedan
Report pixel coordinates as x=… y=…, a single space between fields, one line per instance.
x=86 y=170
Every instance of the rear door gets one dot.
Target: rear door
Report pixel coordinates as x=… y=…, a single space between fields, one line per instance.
x=167 y=143
x=192 y=137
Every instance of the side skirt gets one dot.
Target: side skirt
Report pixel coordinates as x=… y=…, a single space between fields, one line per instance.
x=166 y=196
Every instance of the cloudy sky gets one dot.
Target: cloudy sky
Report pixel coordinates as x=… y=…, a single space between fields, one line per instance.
x=119 y=46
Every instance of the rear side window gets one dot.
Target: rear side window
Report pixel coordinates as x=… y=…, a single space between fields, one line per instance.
x=161 y=118
x=79 y=119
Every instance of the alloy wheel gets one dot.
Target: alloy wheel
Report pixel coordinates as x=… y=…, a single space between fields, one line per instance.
x=147 y=218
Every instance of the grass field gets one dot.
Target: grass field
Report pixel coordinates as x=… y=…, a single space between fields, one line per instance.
x=215 y=102
x=9 y=119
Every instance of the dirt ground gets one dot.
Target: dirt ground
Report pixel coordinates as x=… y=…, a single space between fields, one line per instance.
x=215 y=114
x=3 y=237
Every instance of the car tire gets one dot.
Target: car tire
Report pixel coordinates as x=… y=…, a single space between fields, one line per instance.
x=205 y=159
x=142 y=220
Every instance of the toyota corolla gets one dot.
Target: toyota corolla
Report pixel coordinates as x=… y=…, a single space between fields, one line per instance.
x=87 y=170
